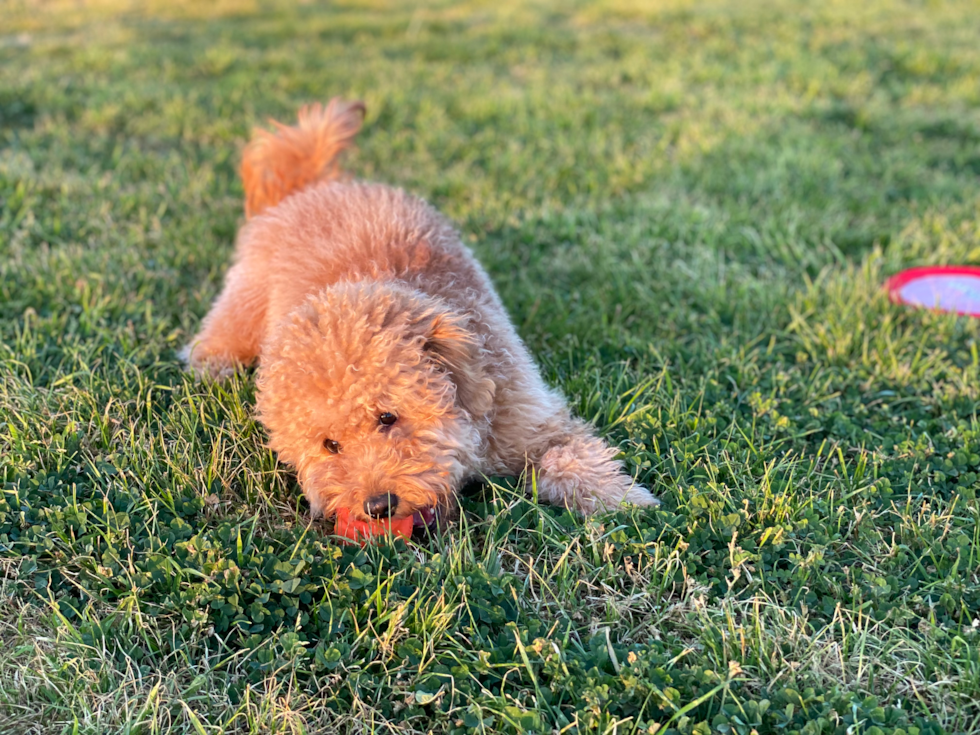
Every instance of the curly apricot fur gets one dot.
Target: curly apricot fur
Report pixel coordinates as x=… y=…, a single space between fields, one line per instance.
x=359 y=299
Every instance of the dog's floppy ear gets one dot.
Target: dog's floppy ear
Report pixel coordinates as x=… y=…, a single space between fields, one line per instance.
x=456 y=349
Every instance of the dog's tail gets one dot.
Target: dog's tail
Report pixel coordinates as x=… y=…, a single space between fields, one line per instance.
x=275 y=164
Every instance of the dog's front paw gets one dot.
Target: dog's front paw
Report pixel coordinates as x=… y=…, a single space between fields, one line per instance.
x=583 y=475
x=639 y=495
x=203 y=364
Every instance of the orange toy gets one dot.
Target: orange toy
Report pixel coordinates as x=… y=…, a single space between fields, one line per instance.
x=363 y=531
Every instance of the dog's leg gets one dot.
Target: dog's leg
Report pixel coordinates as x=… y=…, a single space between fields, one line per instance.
x=579 y=470
x=232 y=331
x=573 y=467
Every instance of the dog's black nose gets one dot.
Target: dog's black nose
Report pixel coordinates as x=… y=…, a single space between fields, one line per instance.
x=381 y=506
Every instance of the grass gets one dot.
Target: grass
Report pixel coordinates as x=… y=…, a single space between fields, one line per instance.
x=688 y=208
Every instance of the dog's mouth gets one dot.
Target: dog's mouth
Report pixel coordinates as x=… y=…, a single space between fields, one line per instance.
x=419 y=526
x=424 y=523
x=424 y=518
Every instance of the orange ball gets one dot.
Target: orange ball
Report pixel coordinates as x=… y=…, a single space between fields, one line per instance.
x=362 y=532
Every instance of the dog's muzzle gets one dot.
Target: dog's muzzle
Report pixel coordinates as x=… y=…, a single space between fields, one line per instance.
x=381 y=506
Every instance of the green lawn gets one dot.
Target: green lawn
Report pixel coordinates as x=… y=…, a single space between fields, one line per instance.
x=688 y=208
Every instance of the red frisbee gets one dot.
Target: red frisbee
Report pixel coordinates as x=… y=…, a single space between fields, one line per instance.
x=362 y=532
x=952 y=288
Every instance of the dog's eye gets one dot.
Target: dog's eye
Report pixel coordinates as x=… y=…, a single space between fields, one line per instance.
x=331 y=446
x=387 y=419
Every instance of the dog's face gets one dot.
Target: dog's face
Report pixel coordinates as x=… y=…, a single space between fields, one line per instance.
x=372 y=392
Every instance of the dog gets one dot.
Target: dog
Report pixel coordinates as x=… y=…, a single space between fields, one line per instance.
x=388 y=370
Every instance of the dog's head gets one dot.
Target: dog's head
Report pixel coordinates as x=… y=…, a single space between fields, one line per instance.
x=374 y=392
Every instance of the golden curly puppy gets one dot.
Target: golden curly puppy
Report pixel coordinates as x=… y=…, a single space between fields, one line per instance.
x=388 y=372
